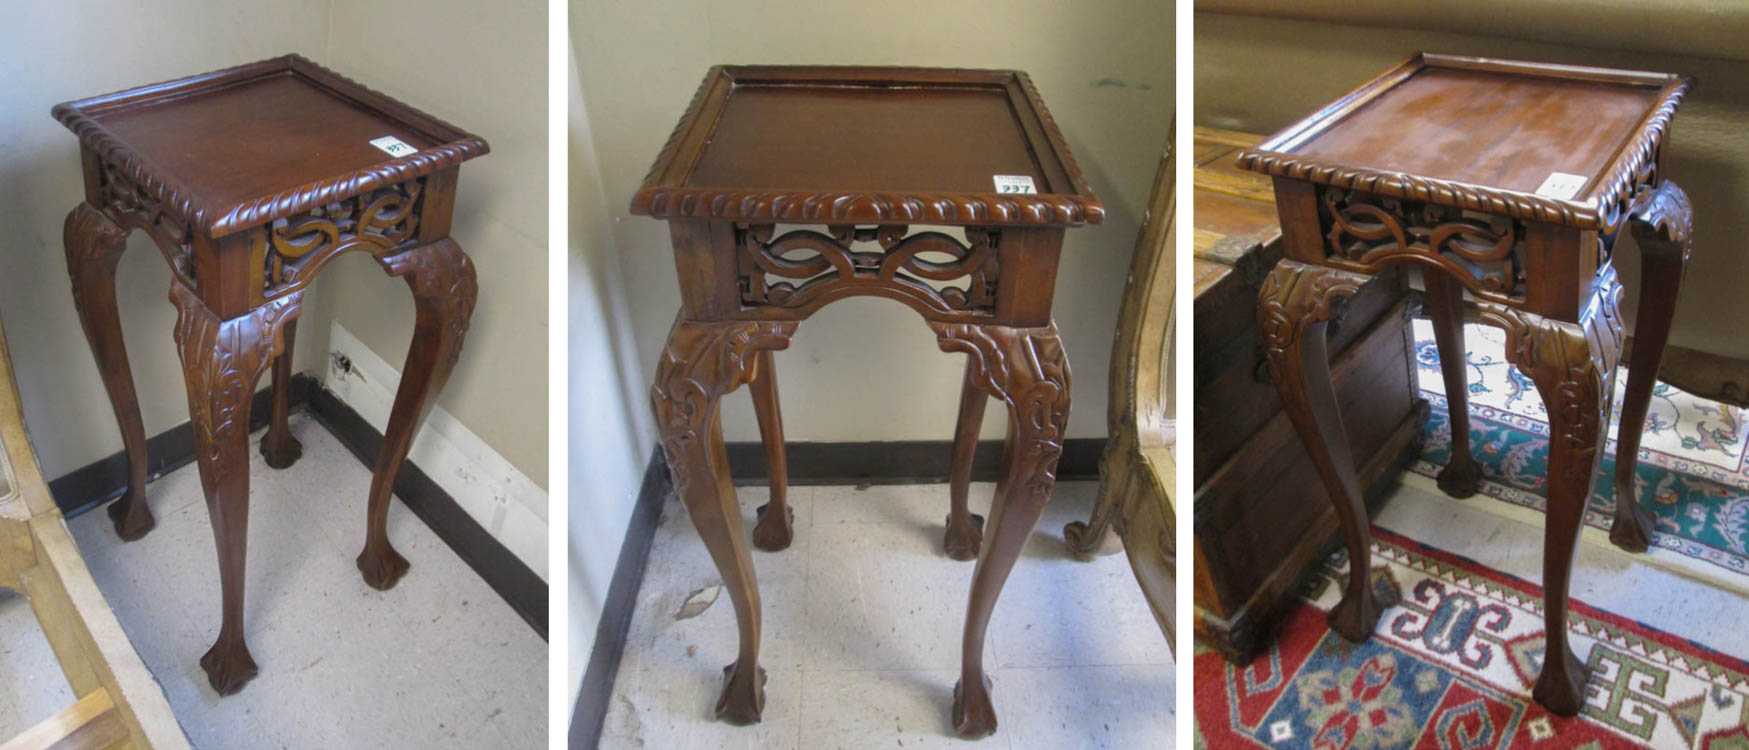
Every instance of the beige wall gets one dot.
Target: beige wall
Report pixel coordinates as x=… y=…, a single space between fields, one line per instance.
x=59 y=51
x=866 y=369
x=481 y=67
x=1261 y=74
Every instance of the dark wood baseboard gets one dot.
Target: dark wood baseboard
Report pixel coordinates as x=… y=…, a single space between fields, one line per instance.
x=515 y=582
x=590 y=714
x=105 y=480
x=898 y=462
x=99 y=482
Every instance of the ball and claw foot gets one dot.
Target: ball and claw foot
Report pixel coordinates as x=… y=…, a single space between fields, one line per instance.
x=131 y=517
x=963 y=539
x=742 y=701
x=1082 y=547
x=1561 y=687
x=1631 y=532
x=774 y=533
x=229 y=666
x=1355 y=619
x=281 y=450
x=382 y=566
x=974 y=717
x=1460 y=479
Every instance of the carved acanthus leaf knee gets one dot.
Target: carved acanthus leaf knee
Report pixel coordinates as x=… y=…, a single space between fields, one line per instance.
x=1295 y=296
x=1570 y=363
x=1663 y=221
x=222 y=361
x=1027 y=369
x=703 y=361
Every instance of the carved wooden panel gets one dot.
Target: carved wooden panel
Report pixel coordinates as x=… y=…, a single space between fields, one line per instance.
x=292 y=250
x=131 y=204
x=805 y=269
x=1365 y=231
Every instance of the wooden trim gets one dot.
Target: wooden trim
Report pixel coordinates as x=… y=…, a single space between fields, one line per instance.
x=1605 y=194
x=590 y=714
x=452 y=147
x=665 y=193
x=501 y=569
x=92 y=722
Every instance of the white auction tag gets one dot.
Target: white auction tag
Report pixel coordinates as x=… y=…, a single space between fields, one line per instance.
x=1015 y=184
x=1561 y=186
x=393 y=146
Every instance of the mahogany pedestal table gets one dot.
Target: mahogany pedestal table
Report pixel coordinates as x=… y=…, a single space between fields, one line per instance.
x=1512 y=182
x=865 y=152
x=250 y=180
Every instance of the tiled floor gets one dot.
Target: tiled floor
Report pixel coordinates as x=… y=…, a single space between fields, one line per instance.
x=862 y=619
x=438 y=662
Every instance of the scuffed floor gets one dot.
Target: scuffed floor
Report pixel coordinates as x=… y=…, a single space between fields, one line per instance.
x=862 y=620
x=438 y=662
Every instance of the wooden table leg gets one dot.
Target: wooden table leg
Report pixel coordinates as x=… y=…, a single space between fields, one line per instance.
x=1662 y=228
x=442 y=279
x=1026 y=369
x=221 y=361
x=1294 y=310
x=1462 y=475
x=775 y=529
x=965 y=529
x=702 y=362
x=94 y=246
x=278 y=447
x=1573 y=366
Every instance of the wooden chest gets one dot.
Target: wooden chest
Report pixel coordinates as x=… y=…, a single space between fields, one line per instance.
x=1261 y=513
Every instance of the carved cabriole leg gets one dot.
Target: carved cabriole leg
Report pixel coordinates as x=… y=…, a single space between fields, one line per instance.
x=1462 y=475
x=702 y=362
x=776 y=527
x=94 y=245
x=1026 y=369
x=1662 y=226
x=1573 y=366
x=278 y=447
x=444 y=290
x=1294 y=309
x=965 y=529
x=221 y=362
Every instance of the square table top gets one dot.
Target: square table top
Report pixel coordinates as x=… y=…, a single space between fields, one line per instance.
x=241 y=147
x=867 y=145
x=1539 y=142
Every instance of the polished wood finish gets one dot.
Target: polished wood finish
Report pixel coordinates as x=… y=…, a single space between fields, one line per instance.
x=1137 y=470
x=250 y=180
x=1439 y=163
x=1261 y=514
x=859 y=154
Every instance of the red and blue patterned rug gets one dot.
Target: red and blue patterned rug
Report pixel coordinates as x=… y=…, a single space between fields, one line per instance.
x=1452 y=666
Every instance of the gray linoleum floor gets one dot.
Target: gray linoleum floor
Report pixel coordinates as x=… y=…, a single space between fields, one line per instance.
x=862 y=619
x=440 y=661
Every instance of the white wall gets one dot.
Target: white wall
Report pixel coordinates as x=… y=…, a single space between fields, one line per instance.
x=612 y=432
x=868 y=369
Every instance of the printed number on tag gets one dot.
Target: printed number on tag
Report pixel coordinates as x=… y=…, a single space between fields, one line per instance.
x=1015 y=184
x=393 y=146
x=1561 y=186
